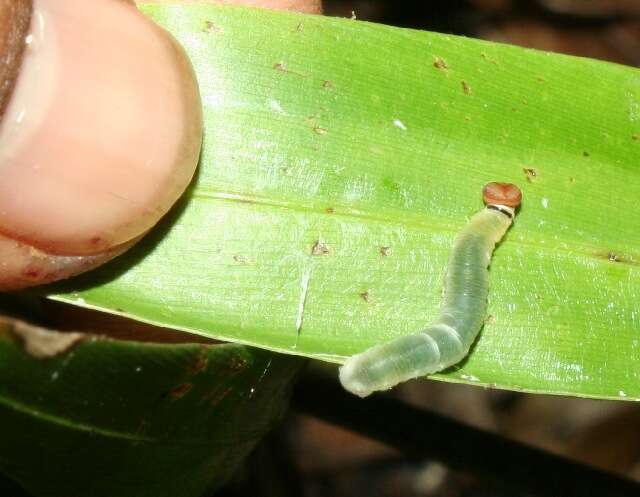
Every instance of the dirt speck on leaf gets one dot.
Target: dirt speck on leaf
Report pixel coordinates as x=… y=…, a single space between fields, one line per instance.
x=211 y=27
x=617 y=257
x=326 y=84
x=530 y=173
x=385 y=251
x=488 y=59
x=281 y=66
x=466 y=88
x=366 y=296
x=320 y=248
x=236 y=364
x=240 y=259
x=440 y=64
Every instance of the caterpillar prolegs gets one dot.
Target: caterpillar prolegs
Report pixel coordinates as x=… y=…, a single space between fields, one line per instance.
x=447 y=340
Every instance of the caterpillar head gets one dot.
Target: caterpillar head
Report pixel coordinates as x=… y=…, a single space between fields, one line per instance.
x=506 y=194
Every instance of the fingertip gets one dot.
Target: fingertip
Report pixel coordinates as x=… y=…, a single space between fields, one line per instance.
x=100 y=135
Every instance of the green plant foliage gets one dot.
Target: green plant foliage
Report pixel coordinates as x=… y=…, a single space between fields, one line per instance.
x=340 y=160
x=105 y=418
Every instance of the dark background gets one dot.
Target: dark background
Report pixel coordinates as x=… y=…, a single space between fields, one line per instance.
x=601 y=29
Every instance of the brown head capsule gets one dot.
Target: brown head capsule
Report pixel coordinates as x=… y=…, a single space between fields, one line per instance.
x=100 y=133
x=506 y=194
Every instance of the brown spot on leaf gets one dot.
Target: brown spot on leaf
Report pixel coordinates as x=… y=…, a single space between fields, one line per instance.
x=530 y=173
x=200 y=362
x=211 y=27
x=617 y=257
x=385 y=251
x=236 y=364
x=240 y=259
x=488 y=59
x=216 y=397
x=489 y=320
x=180 y=391
x=320 y=248
x=466 y=88
x=326 y=84
x=366 y=296
x=329 y=210
x=320 y=131
x=280 y=66
x=440 y=64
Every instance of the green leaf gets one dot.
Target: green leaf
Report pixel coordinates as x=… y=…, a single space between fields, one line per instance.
x=118 y=419
x=340 y=160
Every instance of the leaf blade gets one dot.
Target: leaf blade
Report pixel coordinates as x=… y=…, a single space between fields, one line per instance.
x=115 y=418
x=347 y=155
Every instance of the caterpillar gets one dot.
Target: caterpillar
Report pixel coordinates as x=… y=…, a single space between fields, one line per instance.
x=447 y=340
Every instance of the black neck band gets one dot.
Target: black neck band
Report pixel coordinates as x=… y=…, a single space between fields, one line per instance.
x=501 y=209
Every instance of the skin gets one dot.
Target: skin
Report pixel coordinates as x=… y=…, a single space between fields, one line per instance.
x=59 y=218
x=303 y=6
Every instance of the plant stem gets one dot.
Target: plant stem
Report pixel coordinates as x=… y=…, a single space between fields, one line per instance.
x=422 y=434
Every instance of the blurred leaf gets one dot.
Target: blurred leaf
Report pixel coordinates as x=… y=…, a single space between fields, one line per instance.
x=340 y=160
x=117 y=419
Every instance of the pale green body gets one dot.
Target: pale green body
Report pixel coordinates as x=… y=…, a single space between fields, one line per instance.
x=448 y=339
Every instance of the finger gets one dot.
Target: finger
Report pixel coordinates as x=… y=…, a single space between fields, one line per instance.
x=304 y=6
x=93 y=151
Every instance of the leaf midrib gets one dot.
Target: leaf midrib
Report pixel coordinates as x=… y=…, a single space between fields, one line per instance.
x=586 y=251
